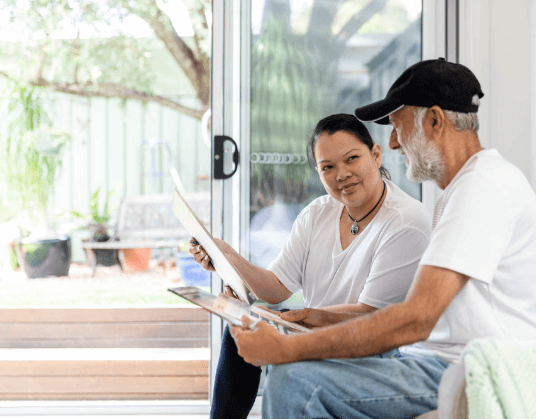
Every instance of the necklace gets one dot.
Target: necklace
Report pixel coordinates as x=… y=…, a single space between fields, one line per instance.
x=354 y=229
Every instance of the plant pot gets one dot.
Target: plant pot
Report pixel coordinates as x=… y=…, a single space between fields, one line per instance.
x=136 y=259
x=191 y=273
x=49 y=257
x=105 y=257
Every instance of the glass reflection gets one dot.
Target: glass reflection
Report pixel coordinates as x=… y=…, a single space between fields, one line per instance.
x=310 y=59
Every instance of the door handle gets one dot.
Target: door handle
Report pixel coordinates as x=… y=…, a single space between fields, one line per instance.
x=219 y=140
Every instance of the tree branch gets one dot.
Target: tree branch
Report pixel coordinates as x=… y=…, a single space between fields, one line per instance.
x=112 y=90
x=358 y=20
x=185 y=57
x=279 y=10
x=322 y=16
x=42 y=64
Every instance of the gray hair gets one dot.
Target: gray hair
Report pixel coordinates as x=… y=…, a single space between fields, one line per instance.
x=461 y=121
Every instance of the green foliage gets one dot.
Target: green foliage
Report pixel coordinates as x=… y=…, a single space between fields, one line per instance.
x=88 y=43
x=96 y=220
x=286 y=102
x=30 y=147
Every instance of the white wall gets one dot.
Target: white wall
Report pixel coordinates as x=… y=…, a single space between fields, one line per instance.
x=497 y=44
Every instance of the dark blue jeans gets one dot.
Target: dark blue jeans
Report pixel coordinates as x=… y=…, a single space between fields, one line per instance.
x=236 y=384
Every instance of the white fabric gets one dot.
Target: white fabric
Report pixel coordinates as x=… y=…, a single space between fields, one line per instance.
x=376 y=269
x=448 y=397
x=486 y=229
x=501 y=379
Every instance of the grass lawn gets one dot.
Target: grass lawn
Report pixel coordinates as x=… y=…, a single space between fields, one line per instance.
x=109 y=287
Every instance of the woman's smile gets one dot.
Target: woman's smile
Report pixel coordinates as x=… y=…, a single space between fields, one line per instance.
x=349 y=188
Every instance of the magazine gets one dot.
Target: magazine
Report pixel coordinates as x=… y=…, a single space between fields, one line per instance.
x=221 y=263
x=232 y=310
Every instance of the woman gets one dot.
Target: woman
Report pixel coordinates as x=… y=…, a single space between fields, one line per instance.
x=355 y=249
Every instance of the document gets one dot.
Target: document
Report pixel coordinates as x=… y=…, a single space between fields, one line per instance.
x=221 y=263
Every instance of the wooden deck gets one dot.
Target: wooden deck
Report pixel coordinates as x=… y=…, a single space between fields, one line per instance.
x=104 y=353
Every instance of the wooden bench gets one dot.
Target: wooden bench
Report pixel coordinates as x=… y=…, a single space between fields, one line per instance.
x=135 y=353
x=148 y=222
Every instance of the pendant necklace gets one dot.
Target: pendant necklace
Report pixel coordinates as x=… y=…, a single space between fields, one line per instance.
x=354 y=229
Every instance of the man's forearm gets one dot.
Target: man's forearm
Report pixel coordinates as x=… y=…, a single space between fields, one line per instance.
x=411 y=321
x=366 y=335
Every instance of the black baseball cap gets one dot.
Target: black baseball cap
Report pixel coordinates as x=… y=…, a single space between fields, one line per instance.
x=428 y=83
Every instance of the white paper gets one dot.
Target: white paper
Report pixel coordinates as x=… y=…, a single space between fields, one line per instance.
x=221 y=263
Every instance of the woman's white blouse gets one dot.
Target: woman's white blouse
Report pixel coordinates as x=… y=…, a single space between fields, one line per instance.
x=376 y=269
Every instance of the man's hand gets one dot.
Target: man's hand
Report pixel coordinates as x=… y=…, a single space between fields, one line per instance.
x=311 y=318
x=261 y=346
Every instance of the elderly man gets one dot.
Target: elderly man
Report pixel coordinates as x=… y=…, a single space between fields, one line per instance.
x=474 y=279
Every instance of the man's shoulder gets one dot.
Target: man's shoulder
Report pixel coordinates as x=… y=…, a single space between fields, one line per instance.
x=489 y=163
x=489 y=167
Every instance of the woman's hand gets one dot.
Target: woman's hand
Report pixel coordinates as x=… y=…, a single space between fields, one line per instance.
x=200 y=255
x=310 y=317
x=228 y=291
x=277 y=313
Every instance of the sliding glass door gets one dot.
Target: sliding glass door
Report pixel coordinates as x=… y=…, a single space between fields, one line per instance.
x=279 y=66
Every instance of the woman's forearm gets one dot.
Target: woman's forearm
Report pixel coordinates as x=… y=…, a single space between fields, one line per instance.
x=358 y=308
x=263 y=283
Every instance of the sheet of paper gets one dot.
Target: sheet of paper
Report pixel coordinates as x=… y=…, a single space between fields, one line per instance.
x=221 y=263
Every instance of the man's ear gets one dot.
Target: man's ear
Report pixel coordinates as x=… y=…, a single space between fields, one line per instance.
x=434 y=122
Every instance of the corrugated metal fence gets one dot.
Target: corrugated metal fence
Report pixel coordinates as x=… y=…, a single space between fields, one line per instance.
x=108 y=151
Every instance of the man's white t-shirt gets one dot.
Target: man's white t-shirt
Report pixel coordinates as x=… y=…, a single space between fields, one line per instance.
x=485 y=227
x=376 y=269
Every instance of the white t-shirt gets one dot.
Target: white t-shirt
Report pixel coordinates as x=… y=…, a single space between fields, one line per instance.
x=376 y=269
x=485 y=227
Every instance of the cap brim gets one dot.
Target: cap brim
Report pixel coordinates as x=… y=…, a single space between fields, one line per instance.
x=379 y=111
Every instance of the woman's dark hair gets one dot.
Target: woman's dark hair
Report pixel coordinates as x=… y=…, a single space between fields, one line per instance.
x=341 y=122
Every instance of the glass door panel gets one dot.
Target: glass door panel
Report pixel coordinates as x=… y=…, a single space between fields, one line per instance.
x=130 y=83
x=307 y=60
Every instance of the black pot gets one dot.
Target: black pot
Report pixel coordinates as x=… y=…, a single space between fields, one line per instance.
x=105 y=257
x=42 y=258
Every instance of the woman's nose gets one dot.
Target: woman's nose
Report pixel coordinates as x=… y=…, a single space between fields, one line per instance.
x=342 y=174
x=393 y=140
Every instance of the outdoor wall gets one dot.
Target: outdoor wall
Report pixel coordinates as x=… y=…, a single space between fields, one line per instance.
x=497 y=43
x=108 y=152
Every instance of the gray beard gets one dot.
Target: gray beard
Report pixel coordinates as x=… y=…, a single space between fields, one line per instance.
x=425 y=162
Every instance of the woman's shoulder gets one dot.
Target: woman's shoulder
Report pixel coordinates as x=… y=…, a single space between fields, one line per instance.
x=324 y=203
x=406 y=210
x=321 y=206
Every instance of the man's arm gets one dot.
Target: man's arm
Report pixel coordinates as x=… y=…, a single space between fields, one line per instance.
x=400 y=324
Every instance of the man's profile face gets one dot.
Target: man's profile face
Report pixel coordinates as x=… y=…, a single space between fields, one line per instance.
x=423 y=159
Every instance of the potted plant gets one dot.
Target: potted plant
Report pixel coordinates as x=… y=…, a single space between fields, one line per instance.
x=97 y=222
x=32 y=156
